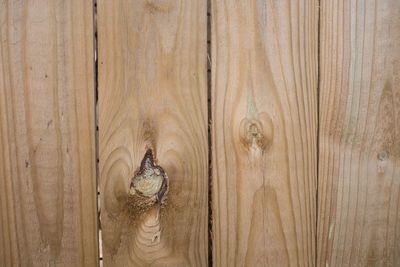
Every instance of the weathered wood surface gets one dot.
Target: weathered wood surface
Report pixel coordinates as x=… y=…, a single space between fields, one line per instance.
x=47 y=143
x=153 y=95
x=359 y=178
x=264 y=132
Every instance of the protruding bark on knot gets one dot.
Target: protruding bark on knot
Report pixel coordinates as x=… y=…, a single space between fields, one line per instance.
x=147 y=161
x=149 y=185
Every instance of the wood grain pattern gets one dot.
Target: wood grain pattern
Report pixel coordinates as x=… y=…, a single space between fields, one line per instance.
x=264 y=132
x=47 y=147
x=153 y=95
x=359 y=179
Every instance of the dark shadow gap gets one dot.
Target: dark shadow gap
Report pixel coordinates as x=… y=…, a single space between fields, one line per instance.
x=318 y=124
x=209 y=121
x=96 y=113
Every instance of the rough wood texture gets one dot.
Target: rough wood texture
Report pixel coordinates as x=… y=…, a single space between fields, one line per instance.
x=47 y=161
x=359 y=179
x=153 y=95
x=264 y=113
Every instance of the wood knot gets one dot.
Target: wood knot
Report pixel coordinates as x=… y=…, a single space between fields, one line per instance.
x=149 y=186
x=383 y=155
x=257 y=133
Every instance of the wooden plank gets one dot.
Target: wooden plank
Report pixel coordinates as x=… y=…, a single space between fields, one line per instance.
x=264 y=132
x=47 y=144
x=153 y=96
x=359 y=179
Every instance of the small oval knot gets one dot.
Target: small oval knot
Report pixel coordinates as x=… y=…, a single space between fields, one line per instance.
x=383 y=155
x=257 y=133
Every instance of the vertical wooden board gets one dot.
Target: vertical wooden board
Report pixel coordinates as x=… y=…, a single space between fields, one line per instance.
x=47 y=144
x=153 y=95
x=359 y=178
x=264 y=132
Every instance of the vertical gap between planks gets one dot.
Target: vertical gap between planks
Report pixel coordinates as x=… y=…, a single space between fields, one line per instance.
x=318 y=124
x=96 y=94
x=209 y=121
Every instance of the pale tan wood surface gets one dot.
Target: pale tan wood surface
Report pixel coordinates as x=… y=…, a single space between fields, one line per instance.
x=264 y=132
x=47 y=146
x=153 y=95
x=359 y=178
